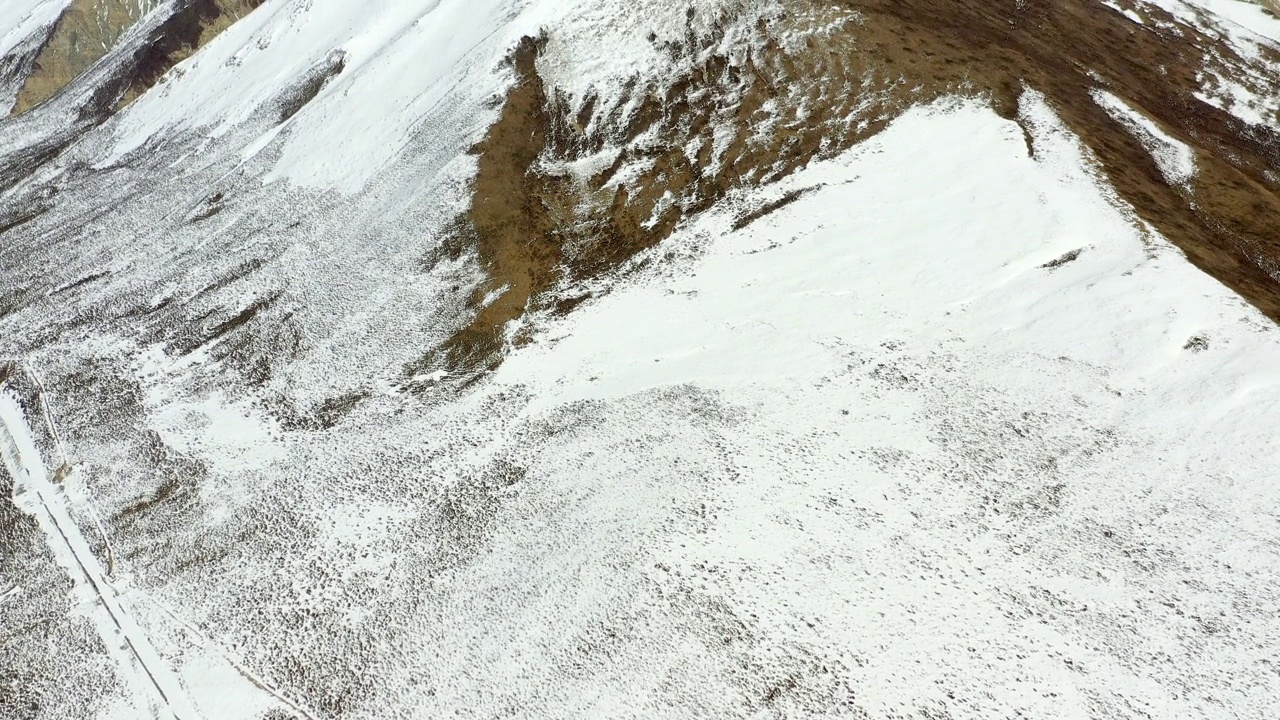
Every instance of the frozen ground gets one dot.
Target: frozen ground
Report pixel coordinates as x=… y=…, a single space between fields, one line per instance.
x=950 y=435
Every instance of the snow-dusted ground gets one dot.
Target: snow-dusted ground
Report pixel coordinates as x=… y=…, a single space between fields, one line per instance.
x=1247 y=26
x=951 y=435
x=36 y=493
x=923 y=470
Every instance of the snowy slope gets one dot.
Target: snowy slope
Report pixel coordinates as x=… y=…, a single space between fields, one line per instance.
x=967 y=491
x=403 y=63
x=400 y=60
x=21 y=19
x=24 y=26
x=1248 y=15
x=935 y=427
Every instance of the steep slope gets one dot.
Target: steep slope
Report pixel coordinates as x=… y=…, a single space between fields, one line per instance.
x=26 y=27
x=820 y=79
x=411 y=358
x=87 y=30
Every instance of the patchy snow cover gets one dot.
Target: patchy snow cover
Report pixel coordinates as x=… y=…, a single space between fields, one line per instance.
x=634 y=34
x=1135 y=17
x=962 y=477
x=1239 y=99
x=24 y=25
x=952 y=434
x=1176 y=159
x=1247 y=28
x=1248 y=15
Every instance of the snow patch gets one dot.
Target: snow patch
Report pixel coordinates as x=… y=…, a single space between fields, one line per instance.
x=1176 y=159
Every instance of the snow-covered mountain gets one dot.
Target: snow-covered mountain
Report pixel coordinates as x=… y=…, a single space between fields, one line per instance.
x=589 y=358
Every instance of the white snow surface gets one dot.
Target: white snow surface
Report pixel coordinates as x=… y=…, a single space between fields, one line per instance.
x=1177 y=161
x=954 y=434
x=977 y=483
x=24 y=24
x=876 y=452
x=402 y=58
x=1248 y=15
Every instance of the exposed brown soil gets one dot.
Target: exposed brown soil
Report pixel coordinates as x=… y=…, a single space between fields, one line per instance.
x=306 y=90
x=536 y=228
x=1065 y=258
x=89 y=28
x=1230 y=221
x=862 y=63
x=508 y=222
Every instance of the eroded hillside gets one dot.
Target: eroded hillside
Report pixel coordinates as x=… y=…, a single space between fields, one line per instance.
x=572 y=186
x=88 y=29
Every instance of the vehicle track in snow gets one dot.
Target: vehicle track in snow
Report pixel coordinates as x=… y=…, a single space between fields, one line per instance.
x=36 y=494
